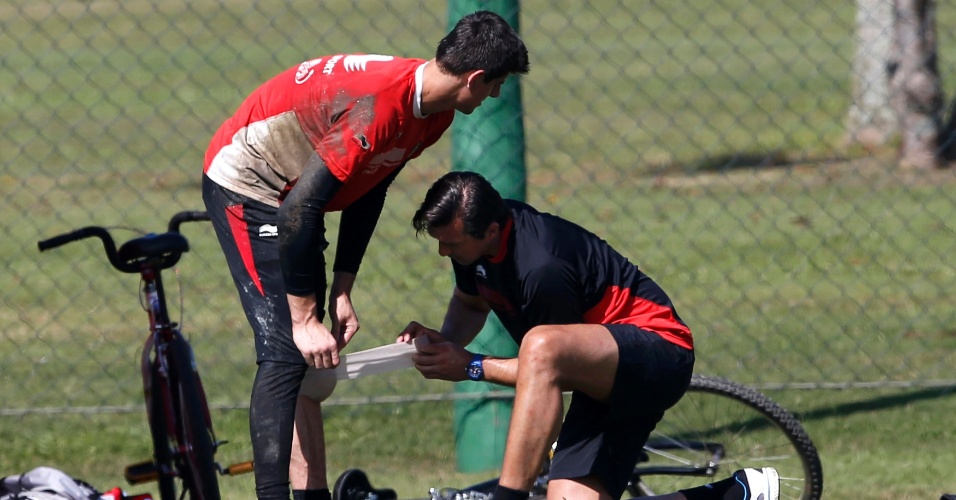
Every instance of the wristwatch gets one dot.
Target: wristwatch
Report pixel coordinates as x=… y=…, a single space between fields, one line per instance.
x=475 y=369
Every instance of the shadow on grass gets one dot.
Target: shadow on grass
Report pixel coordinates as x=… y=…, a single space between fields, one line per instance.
x=696 y=438
x=754 y=160
x=876 y=403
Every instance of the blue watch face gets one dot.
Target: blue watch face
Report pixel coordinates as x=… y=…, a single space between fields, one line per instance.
x=475 y=371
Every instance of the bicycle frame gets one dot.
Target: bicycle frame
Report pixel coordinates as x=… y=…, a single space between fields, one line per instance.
x=162 y=387
x=184 y=443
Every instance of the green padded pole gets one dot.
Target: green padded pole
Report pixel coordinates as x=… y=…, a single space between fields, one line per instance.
x=490 y=141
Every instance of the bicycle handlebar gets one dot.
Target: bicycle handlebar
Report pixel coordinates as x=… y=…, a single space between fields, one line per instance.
x=181 y=217
x=163 y=250
x=79 y=234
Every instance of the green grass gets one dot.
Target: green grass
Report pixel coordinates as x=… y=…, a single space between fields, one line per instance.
x=801 y=308
x=703 y=141
x=874 y=444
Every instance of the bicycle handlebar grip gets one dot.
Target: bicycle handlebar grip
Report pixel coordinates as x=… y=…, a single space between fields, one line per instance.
x=189 y=216
x=63 y=239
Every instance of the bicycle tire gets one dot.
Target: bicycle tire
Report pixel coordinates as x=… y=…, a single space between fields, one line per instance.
x=159 y=427
x=195 y=449
x=752 y=429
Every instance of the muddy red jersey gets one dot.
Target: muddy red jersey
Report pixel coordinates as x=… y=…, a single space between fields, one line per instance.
x=550 y=271
x=360 y=113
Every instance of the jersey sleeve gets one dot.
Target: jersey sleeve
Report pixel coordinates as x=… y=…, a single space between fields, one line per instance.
x=357 y=224
x=301 y=230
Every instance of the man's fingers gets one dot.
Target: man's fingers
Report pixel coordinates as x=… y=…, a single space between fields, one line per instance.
x=322 y=360
x=434 y=336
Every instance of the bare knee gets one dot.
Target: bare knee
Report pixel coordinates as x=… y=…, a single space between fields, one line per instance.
x=539 y=349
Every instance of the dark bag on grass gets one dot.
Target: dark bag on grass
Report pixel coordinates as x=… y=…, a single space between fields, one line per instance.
x=45 y=483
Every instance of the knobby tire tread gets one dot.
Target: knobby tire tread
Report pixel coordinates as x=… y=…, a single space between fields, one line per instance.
x=786 y=421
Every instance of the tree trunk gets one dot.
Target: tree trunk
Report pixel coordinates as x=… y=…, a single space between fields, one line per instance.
x=871 y=121
x=915 y=86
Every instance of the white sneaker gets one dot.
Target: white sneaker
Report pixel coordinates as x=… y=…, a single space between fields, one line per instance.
x=759 y=484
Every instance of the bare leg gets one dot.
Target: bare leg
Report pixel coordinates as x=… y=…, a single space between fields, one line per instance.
x=585 y=488
x=588 y=488
x=307 y=469
x=553 y=359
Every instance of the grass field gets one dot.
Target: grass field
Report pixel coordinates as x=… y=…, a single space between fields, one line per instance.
x=874 y=444
x=704 y=141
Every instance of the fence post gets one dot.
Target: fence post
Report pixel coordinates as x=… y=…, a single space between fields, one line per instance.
x=490 y=141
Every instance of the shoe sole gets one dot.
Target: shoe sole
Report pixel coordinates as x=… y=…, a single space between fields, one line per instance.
x=773 y=480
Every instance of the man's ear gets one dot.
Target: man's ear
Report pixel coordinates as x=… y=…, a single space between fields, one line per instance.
x=492 y=231
x=480 y=73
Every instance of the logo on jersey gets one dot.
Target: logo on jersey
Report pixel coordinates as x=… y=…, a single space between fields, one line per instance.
x=305 y=70
x=497 y=300
x=358 y=62
x=363 y=141
x=480 y=271
x=327 y=69
x=268 y=231
x=389 y=159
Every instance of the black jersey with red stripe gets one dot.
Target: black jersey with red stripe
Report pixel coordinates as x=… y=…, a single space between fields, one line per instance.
x=552 y=271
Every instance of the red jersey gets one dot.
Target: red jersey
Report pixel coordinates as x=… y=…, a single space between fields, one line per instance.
x=360 y=113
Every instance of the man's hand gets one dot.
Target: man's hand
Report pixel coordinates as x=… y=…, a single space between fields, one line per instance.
x=345 y=322
x=413 y=331
x=438 y=358
x=316 y=343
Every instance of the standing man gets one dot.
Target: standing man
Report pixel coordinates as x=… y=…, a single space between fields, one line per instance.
x=330 y=134
x=585 y=319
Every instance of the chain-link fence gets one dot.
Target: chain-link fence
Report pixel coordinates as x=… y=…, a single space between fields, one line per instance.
x=705 y=140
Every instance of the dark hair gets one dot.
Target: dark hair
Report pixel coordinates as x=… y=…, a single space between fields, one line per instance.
x=485 y=41
x=464 y=195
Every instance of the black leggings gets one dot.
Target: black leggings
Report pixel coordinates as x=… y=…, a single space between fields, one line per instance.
x=271 y=423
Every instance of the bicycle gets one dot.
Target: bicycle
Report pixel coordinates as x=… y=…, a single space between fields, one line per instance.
x=184 y=443
x=718 y=427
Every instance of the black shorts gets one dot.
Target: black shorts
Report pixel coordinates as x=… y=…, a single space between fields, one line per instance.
x=248 y=234
x=605 y=439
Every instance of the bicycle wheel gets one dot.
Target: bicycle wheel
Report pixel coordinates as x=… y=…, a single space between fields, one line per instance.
x=195 y=448
x=720 y=426
x=159 y=418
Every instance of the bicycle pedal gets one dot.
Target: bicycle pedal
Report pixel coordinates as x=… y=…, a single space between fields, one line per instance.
x=240 y=468
x=141 y=472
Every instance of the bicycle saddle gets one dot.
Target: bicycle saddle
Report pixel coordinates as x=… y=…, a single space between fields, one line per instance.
x=160 y=250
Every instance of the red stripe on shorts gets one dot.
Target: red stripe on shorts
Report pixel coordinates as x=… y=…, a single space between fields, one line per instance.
x=240 y=234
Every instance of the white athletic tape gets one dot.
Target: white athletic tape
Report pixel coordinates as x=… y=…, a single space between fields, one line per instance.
x=319 y=384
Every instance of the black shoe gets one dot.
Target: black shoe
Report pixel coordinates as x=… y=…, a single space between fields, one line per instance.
x=948 y=496
x=353 y=485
